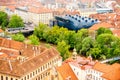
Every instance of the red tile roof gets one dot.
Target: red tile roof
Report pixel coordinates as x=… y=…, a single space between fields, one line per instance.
x=110 y=72
x=101 y=24
x=11 y=7
x=116 y=32
x=66 y=71
x=114 y=74
x=39 y=10
x=105 y=68
x=14 y=51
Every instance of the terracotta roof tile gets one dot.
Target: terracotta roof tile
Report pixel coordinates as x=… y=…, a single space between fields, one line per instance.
x=39 y=10
x=116 y=32
x=66 y=71
x=14 y=53
x=114 y=74
x=110 y=72
x=102 y=24
x=105 y=68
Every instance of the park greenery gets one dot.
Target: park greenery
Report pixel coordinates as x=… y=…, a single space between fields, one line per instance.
x=18 y=37
x=3 y=19
x=100 y=46
x=33 y=40
x=13 y=21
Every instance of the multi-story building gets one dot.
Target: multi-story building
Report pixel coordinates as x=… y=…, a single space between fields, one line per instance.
x=19 y=61
x=81 y=68
x=35 y=15
x=102 y=71
x=75 y=68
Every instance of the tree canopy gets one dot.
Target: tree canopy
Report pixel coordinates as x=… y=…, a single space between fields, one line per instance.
x=18 y=37
x=3 y=19
x=34 y=40
x=103 y=45
x=15 y=21
x=63 y=48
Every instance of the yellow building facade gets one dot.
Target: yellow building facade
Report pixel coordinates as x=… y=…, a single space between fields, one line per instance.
x=19 y=61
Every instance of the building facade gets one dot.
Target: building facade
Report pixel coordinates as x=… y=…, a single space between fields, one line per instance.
x=19 y=61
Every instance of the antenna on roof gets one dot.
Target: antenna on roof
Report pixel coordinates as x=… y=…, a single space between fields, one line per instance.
x=10 y=65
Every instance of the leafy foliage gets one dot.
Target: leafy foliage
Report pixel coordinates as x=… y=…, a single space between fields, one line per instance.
x=100 y=45
x=16 y=21
x=63 y=48
x=3 y=19
x=40 y=30
x=33 y=40
x=103 y=30
x=18 y=37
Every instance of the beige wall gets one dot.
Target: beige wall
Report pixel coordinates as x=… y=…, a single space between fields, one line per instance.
x=24 y=15
x=8 y=77
x=35 y=17
x=59 y=77
x=2 y=8
x=43 y=18
x=41 y=73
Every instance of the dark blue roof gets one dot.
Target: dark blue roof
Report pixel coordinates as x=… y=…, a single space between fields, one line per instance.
x=75 y=22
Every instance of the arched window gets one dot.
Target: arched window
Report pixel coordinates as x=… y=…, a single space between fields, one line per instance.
x=1 y=77
x=6 y=78
x=11 y=78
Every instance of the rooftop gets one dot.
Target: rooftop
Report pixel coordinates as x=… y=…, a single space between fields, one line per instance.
x=110 y=72
x=66 y=72
x=101 y=24
x=18 y=59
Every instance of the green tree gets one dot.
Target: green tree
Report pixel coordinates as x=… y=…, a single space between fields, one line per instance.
x=40 y=30
x=68 y=37
x=87 y=43
x=94 y=52
x=106 y=43
x=79 y=36
x=103 y=30
x=34 y=40
x=18 y=37
x=16 y=21
x=3 y=19
x=52 y=35
x=63 y=48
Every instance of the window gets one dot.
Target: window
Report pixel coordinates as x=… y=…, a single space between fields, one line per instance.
x=41 y=76
x=46 y=65
x=33 y=73
x=6 y=78
x=11 y=78
x=36 y=71
x=41 y=68
x=27 y=76
x=1 y=77
x=46 y=73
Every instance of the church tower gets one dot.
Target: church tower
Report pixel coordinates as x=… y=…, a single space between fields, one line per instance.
x=74 y=54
